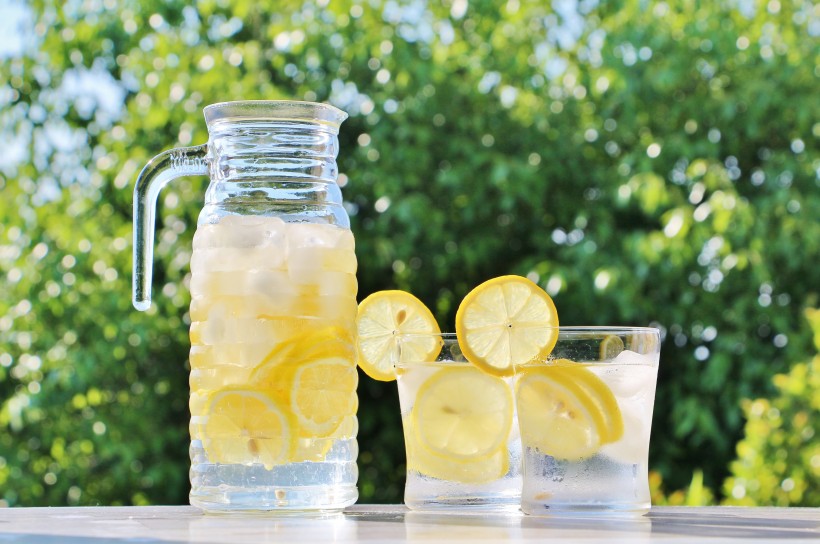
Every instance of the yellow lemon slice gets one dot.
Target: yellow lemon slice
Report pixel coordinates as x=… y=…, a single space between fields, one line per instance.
x=274 y=374
x=315 y=376
x=554 y=419
x=323 y=394
x=245 y=427
x=462 y=413
x=610 y=347
x=467 y=471
x=566 y=411
x=609 y=418
x=506 y=322
x=381 y=317
x=312 y=344
x=315 y=449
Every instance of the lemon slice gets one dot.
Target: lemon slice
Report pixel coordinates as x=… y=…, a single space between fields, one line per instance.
x=610 y=347
x=467 y=471
x=315 y=376
x=506 y=322
x=554 y=419
x=310 y=448
x=381 y=317
x=566 y=411
x=274 y=374
x=608 y=414
x=312 y=344
x=462 y=413
x=323 y=394
x=245 y=427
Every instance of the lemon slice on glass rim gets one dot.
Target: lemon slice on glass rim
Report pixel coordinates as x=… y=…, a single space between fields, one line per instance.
x=506 y=322
x=381 y=317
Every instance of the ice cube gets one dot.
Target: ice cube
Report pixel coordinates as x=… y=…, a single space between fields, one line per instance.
x=633 y=447
x=627 y=357
x=241 y=232
x=628 y=375
x=410 y=378
x=318 y=234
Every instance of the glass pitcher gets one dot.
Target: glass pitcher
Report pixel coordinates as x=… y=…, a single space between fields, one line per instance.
x=273 y=307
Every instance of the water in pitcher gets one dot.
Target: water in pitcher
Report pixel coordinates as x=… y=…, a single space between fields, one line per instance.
x=273 y=366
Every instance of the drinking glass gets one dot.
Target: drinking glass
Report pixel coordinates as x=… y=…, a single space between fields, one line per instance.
x=585 y=416
x=461 y=434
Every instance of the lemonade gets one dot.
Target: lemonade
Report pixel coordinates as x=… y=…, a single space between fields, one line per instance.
x=585 y=423
x=455 y=390
x=514 y=401
x=273 y=365
x=460 y=432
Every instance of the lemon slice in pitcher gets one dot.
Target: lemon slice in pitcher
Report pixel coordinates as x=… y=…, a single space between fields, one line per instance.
x=322 y=394
x=315 y=376
x=381 y=317
x=506 y=322
x=245 y=427
x=329 y=341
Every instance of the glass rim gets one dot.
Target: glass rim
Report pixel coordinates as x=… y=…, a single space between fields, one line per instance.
x=270 y=110
x=569 y=330
x=573 y=330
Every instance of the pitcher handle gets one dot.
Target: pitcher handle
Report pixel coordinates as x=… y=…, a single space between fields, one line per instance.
x=168 y=165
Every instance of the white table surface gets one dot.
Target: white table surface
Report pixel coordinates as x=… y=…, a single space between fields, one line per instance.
x=388 y=524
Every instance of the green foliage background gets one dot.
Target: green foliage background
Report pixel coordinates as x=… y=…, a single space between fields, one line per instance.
x=646 y=162
x=779 y=458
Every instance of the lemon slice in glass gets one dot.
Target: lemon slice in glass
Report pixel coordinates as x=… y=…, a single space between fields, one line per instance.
x=506 y=322
x=565 y=410
x=467 y=471
x=461 y=414
x=610 y=422
x=610 y=347
x=381 y=317
x=245 y=427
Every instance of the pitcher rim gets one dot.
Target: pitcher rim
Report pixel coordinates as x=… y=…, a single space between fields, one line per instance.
x=296 y=110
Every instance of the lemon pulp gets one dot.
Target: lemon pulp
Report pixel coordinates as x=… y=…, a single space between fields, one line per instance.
x=380 y=318
x=247 y=426
x=461 y=413
x=506 y=322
